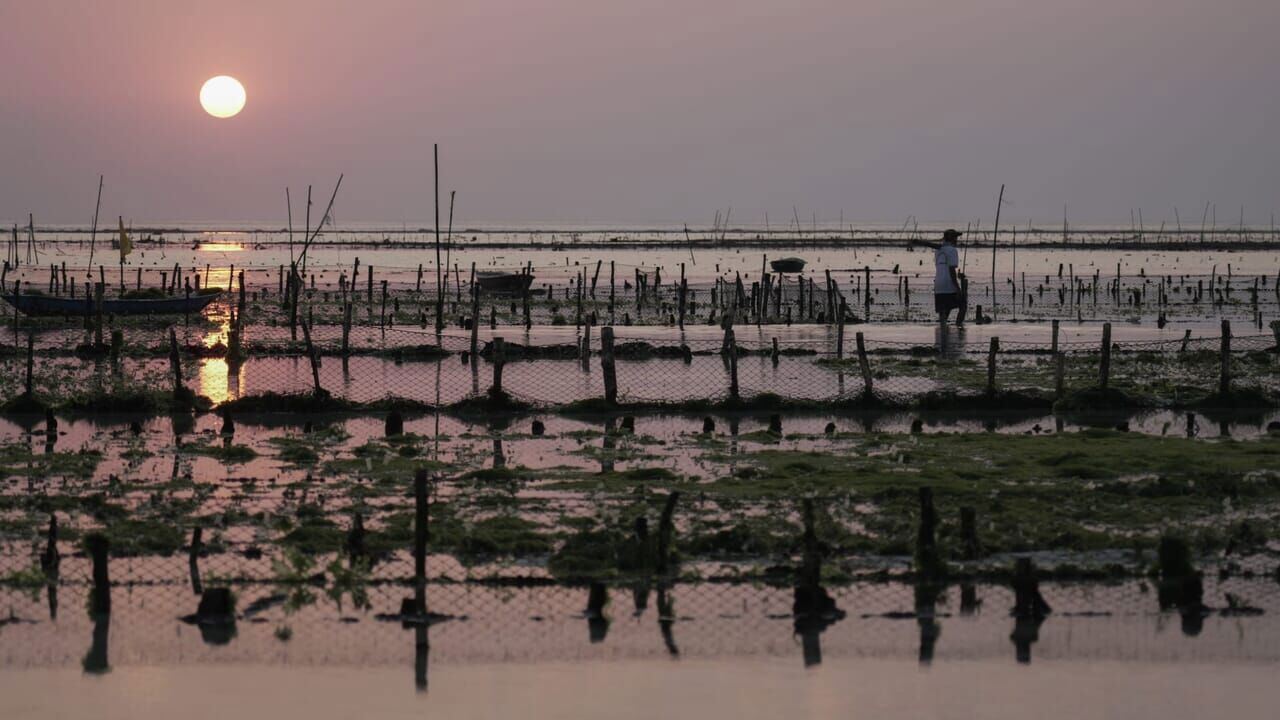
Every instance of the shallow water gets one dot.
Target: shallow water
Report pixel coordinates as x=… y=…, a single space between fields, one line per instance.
x=726 y=651
x=753 y=688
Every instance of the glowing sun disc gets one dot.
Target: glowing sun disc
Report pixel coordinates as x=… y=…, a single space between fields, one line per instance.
x=222 y=96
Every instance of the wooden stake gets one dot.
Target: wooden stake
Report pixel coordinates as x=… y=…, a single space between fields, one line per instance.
x=499 y=359
x=1224 y=380
x=863 y=363
x=991 y=366
x=175 y=364
x=1059 y=375
x=420 y=543
x=475 y=316
x=733 y=365
x=607 y=368
x=1104 y=369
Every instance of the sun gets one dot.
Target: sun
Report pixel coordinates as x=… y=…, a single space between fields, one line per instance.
x=222 y=96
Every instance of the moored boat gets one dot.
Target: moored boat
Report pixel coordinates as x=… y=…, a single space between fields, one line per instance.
x=501 y=281
x=787 y=265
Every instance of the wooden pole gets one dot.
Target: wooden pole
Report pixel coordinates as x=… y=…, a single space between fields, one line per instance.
x=175 y=364
x=733 y=365
x=448 y=241
x=991 y=366
x=1224 y=380
x=524 y=296
x=1059 y=375
x=99 y=550
x=93 y=234
x=98 y=290
x=420 y=542
x=31 y=345
x=863 y=363
x=684 y=289
x=439 y=279
x=1104 y=369
x=607 y=367
x=994 y=237
x=499 y=358
x=314 y=358
x=475 y=316
x=840 y=329
x=346 y=329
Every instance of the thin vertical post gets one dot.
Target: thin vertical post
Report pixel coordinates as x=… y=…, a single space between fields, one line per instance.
x=1224 y=380
x=991 y=366
x=607 y=367
x=863 y=363
x=1104 y=370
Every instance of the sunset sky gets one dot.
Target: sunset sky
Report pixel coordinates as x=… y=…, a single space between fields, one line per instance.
x=654 y=111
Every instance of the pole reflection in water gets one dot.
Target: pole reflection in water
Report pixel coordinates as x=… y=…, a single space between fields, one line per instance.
x=667 y=618
x=421 y=651
x=597 y=620
x=926 y=601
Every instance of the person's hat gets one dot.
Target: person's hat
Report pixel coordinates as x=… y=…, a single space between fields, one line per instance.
x=951 y=234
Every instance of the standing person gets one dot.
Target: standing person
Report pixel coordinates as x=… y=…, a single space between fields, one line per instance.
x=946 y=284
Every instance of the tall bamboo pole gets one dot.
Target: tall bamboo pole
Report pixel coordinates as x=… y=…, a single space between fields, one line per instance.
x=93 y=234
x=435 y=152
x=994 y=235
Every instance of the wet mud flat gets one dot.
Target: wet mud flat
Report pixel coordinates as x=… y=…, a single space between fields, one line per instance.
x=525 y=489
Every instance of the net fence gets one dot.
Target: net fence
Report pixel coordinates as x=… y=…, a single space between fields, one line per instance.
x=370 y=364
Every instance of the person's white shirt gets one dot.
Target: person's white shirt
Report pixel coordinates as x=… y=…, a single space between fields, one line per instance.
x=945 y=258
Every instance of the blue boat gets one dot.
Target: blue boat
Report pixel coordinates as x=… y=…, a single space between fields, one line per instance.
x=40 y=304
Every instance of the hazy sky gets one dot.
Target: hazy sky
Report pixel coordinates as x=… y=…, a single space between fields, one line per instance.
x=651 y=111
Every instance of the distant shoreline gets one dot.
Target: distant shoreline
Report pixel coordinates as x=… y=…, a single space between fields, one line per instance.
x=630 y=240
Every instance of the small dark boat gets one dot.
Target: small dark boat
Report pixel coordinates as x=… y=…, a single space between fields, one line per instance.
x=787 y=265
x=40 y=304
x=503 y=282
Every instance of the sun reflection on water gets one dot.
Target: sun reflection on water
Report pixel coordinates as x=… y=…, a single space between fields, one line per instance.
x=217 y=382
